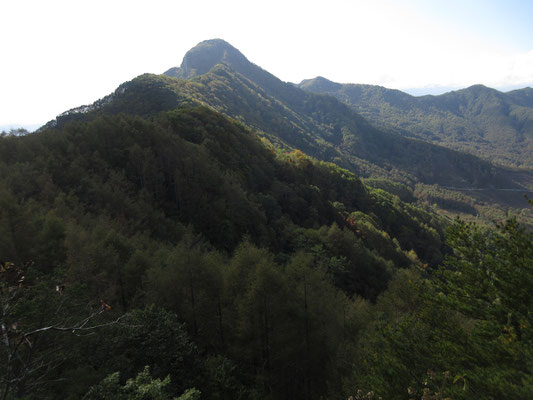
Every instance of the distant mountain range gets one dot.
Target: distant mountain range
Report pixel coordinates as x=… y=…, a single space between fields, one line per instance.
x=394 y=136
x=479 y=120
x=216 y=74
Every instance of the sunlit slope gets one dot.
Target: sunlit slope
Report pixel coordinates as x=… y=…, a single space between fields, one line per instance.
x=479 y=120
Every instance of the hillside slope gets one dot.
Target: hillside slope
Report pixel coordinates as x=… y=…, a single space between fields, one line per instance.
x=295 y=119
x=479 y=120
x=319 y=125
x=185 y=224
x=172 y=240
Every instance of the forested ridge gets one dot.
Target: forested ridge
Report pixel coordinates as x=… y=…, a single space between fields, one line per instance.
x=318 y=125
x=155 y=248
x=218 y=76
x=479 y=120
x=175 y=211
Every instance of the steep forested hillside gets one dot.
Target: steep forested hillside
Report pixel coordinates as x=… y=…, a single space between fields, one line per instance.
x=479 y=120
x=292 y=118
x=319 y=125
x=190 y=211
x=189 y=239
x=220 y=77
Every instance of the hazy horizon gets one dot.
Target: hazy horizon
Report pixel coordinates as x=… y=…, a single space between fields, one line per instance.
x=63 y=54
x=417 y=92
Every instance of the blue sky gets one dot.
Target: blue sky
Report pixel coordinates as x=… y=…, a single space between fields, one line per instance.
x=59 y=54
x=507 y=23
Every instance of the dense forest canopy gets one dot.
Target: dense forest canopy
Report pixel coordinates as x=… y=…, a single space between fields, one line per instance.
x=325 y=128
x=194 y=239
x=479 y=120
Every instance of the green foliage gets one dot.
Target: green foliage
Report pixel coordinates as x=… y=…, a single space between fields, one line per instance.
x=40 y=317
x=489 y=280
x=476 y=120
x=289 y=118
x=404 y=192
x=143 y=340
x=142 y=387
x=245 y=271
x=244 y=264
x=469 y=322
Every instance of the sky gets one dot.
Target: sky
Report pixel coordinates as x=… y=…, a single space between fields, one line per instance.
x=56 y=55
